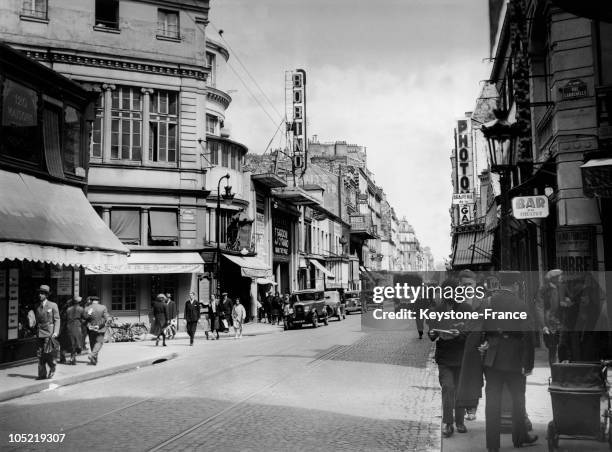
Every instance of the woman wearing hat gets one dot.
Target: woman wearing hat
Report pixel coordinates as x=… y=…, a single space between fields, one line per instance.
x=160 y=313
x=75 y=316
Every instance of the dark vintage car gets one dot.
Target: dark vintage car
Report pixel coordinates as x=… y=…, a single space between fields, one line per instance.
x=307 y=307
x=352 y=299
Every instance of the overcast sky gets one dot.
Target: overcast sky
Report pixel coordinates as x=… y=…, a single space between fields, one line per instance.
x=391 y=75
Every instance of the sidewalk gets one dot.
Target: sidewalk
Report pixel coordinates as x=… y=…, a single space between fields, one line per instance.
x=20 y=380
x=539 y=409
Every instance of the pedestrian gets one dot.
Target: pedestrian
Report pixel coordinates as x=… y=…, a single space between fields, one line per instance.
x=227 y=305
x=276 y=306
x=192 y=315
x=450 y=340
x=160 y=315
x=238 y=316
x=75 y=317
x=172 y=314
x=215 y=313
x=507 y=360
x=266 y=307
x=286 y=313
x=467 y=278
x=48 y=325
x=550 y=303
x=96 y=316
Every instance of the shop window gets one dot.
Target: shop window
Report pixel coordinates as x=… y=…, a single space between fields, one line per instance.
x=163 y=227
x=20 y=124
x=123 y=293
x=107 y=14
x=163 y=127
x=73 y=157
x=164 y=284
x=126 y=124
x=125 y=224
x=212 y=123
x=168 y=24
x=95 y=145
x=34 y=8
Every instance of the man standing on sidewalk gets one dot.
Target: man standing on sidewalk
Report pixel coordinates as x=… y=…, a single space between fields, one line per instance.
x=551 y=302
x=48 y=328
x=192 y=315
x=96 y=316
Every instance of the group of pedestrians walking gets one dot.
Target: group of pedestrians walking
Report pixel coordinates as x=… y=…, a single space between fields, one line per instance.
x=81 y=321
x=272 y=308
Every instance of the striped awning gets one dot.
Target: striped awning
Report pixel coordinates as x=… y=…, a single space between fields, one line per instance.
x=473 y=248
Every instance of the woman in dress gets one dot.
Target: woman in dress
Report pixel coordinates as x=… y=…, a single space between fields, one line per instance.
x=160 y=313
x=238 y=316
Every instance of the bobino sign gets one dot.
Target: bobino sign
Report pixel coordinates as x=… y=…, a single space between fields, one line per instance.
x=526 y=207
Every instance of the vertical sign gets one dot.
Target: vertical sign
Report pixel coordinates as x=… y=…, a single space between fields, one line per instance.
x=464 y=168
x=298 y=124
x=13 y=304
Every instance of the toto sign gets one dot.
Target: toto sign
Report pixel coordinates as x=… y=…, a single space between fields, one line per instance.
x=525 y=207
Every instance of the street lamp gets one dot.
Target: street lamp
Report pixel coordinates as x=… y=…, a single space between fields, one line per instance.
x=227 y=197
x=502 y=139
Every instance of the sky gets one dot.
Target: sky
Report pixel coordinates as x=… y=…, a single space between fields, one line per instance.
x=390 y=75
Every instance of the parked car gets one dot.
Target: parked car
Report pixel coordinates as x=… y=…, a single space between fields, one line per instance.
x=334 y=305
x=307 y=307
x=352 y=301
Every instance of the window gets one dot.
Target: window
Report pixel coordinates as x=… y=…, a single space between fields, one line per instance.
x=213 y=152
x=51 y=139
x=168 y=24
x=234 y=158
x=211 y=63
x=224 y=220
x=163 y=127
x=107 y=14
x=163 y=227
x=224 y=155
x=73 y=157
x=125 y=224
x=126 y=124
x=164 y=284
x=211 y=124
x=20 y=124
x=95 y=145
x=34 y=8
x=123 y=293
x=605 y=53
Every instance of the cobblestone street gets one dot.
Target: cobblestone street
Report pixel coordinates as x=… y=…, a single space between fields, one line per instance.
x=333 y=388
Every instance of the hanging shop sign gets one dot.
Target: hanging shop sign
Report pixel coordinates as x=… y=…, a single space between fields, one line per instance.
x=526 y=207
x=463 y=198
x=576 y=250
x=464 y=171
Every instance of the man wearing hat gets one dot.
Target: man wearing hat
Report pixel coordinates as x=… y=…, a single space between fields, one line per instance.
x=75 y=317
x=550 y=305
x=96 y=316
x=48 y=328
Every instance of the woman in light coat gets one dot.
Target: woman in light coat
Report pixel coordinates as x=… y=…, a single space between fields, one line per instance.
x=238 y=316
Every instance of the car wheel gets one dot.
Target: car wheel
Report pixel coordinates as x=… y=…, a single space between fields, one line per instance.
x=315 y=320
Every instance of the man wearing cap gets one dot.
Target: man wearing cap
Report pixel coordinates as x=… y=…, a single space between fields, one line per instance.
x=75 y=316
x=550 y=304
x=48 y=328
x=97 y=318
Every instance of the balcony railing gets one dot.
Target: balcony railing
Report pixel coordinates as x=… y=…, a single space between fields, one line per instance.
x=361 y=225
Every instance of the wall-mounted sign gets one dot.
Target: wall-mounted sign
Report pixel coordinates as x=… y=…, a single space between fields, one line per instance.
x=525 y=207
x=280 y=238
x=463 y=171
x=463 y=198
x=465 y=213
x=573 y=89
x=576 y=249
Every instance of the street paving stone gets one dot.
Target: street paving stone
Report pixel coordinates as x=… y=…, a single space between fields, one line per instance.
x=325 y=389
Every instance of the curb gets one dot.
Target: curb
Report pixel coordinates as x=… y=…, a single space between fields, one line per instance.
x=73 y=379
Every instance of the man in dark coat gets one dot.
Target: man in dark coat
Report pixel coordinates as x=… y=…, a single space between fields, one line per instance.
x=172 y=313
x=160 y=314
x=75 y=316
x=508 y=358
x=48 y=328
x=96 y=316
x=192 y=315
x=227 y=311
x=215 y=312
x=449 y=353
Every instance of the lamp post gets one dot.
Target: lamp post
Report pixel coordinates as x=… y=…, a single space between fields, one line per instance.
x=502 y=142
x=227 y=196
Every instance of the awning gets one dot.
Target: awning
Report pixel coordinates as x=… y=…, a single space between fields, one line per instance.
x=164 y=225
x=250 y=266
x=265 y=281
x=43 y=221
x=153 y=263
x=597 y=177
x=473 y=248
x=322 y=269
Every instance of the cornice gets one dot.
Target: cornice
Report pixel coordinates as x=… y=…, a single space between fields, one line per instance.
x=107 y=62
x=216 y=95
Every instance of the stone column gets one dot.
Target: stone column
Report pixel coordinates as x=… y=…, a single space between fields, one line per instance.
x=146 y=110
x=144 y=227
x=106 y=123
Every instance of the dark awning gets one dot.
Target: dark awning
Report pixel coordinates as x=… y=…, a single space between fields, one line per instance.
x=164 y=225
x=473 y=248
x=49 y=222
